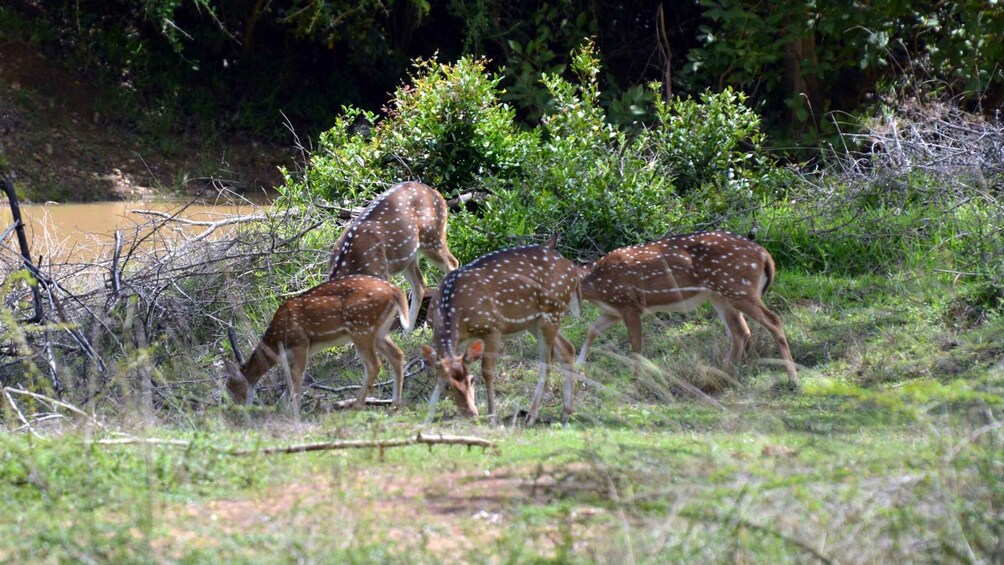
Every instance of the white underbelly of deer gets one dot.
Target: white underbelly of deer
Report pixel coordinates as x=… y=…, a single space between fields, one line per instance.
x=654 y=301
x=327 y=342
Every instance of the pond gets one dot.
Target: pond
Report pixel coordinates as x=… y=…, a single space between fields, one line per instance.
x=82 y=232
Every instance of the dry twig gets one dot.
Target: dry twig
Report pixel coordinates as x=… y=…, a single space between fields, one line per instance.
x=419 y=438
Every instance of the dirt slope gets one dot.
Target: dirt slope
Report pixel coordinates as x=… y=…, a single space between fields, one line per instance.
x=58 y=145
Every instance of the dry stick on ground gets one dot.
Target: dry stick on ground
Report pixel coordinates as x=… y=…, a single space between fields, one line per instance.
x=419 y=438
x=369 y=401
x=53 y=402
x=416 y=361
x=20 y=416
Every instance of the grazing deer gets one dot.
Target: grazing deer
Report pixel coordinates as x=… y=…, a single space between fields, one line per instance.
x=502 y=293
x=359 y=308
x=388 y=234
x=678 y=274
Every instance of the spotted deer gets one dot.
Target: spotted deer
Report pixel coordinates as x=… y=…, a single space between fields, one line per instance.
x=499 y=294
x=678 y=274
x=386 y=237
x=356 y=308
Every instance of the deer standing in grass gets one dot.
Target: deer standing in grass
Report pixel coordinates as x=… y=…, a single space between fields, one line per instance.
x=502 y=293
x=356 y=308
x=389 y=233
x=678 y=274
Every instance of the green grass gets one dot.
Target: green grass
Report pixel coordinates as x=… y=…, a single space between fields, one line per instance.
x=576 y=493
x=891 y=451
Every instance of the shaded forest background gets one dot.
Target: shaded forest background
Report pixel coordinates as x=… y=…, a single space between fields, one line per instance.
x=214 y=66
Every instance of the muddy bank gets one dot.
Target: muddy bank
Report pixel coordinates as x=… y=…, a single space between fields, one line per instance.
x=61 y=142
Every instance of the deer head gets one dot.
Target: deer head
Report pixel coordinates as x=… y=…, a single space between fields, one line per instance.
x=237 y=384
x=455 y=370
x=502 y=293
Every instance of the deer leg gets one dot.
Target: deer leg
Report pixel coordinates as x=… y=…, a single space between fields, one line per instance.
x=632 y=320
x=566 y=352
x=603 y=324
x=436 y=392
x=414 y=277
x=294 y=364
x=489 y=359
x=393 y=354
x=738 y=331
x=371 y=364
x=545 y=345
x=756 y=310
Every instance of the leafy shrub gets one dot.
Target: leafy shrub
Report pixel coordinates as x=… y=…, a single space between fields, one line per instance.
x=599 y=184
x=715 y=149
x=590 y=180
x=447 y=129
x=804 y=60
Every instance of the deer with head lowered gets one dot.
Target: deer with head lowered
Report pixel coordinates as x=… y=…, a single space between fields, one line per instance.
x=502 y=293
x=678 y=274
x=356 y=308
x=387 y=236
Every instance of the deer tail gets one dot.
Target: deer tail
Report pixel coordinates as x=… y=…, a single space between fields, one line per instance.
x=768 y=272
x=575 y=306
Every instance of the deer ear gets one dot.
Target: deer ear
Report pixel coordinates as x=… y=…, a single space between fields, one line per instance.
x=429 y=354
x=474 y=351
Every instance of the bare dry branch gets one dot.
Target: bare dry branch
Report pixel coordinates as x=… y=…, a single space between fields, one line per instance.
x=54 y=403
x=419 y=438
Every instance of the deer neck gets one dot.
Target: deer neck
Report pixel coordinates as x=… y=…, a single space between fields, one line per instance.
x=446 y=333
x=260 y=361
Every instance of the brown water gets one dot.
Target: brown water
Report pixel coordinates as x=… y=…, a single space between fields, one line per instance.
x=82 y=232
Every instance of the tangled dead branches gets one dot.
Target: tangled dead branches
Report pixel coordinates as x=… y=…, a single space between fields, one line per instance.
x=963 y=151
x=144 y=324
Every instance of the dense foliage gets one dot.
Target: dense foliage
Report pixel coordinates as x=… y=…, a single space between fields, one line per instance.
x=797 y=61
x=806 y=59
x=605 y=185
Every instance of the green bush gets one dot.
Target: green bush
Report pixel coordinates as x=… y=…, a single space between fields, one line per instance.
x=599 y=184
x=447 y=129
x=715 y=149
x=595 y=183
